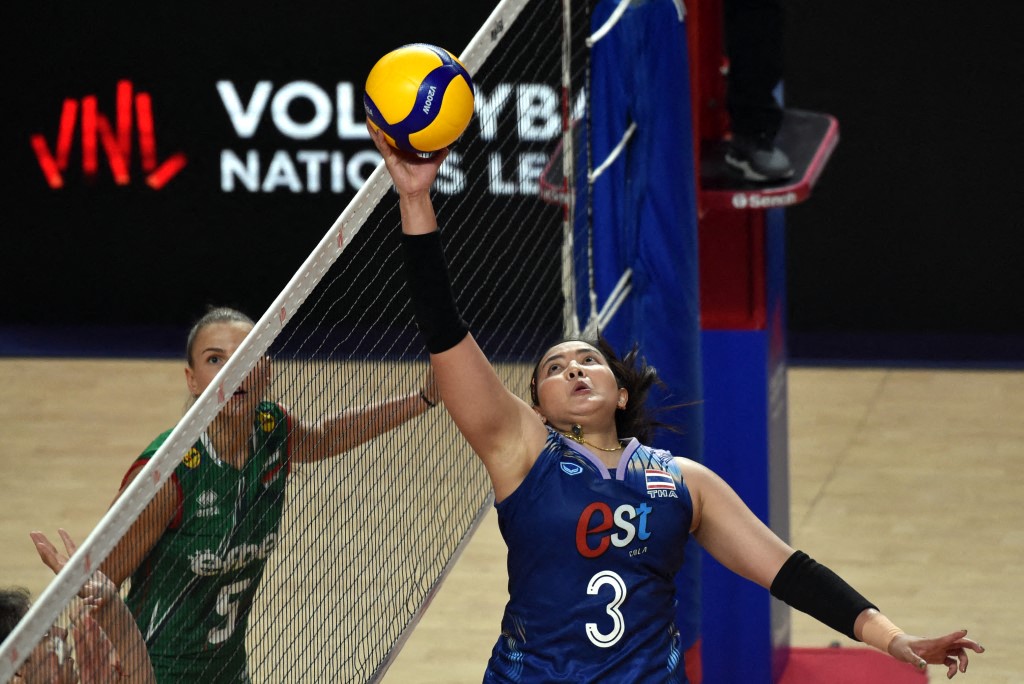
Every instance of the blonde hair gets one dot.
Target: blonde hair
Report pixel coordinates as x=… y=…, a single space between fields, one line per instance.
x=219 y=314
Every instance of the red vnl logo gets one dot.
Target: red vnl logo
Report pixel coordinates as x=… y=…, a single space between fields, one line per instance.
x=115 y=140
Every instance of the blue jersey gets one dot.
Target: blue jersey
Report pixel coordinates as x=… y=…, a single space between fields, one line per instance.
x=592 y=556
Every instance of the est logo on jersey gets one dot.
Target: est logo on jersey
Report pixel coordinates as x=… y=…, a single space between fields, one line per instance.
x=598 y=528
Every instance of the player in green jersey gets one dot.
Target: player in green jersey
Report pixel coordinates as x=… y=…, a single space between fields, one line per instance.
x=197 y=554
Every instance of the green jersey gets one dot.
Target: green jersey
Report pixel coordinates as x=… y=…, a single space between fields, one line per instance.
x=192 y=594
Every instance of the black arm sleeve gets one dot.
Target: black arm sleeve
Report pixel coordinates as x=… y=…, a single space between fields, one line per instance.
x=812 y=588
x=433 y=303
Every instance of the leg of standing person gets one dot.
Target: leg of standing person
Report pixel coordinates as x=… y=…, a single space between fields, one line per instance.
x=753 y=42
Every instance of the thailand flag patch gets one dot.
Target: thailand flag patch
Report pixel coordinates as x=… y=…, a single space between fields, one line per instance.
x=658 y=479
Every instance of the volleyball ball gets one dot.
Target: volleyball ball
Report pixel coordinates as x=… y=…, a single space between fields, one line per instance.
x=421 y=96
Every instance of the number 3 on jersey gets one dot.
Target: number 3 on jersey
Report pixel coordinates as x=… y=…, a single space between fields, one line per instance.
x=618 y=586
x=227 y=605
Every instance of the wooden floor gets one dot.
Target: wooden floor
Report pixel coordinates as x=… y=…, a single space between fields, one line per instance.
x=907 y=482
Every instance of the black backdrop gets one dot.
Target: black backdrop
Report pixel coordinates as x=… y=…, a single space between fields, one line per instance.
x=94 y=253
x=912 y=245
x=913 y=235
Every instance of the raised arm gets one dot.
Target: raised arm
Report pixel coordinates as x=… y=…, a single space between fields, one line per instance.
x=313 y=441
x=502 y=429
x=144 y=532
x=131 y=662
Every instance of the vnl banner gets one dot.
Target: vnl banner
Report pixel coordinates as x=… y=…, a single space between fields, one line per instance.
x=295 y=118
x=148 y=148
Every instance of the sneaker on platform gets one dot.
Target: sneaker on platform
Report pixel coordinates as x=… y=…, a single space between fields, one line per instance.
x=758 y=159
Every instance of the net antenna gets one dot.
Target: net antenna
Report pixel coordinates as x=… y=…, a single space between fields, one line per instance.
x=567 y=197
x=562 y=189
x=599 y=319
x=291 y=309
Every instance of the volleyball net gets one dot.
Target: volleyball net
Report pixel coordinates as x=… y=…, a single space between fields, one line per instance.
x=366 y=538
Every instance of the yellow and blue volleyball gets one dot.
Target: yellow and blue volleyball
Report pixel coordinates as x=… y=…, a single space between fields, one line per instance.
x=421 y=96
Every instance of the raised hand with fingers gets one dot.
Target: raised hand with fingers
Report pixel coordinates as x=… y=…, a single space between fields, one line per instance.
x=96 y=591
x=108 y=642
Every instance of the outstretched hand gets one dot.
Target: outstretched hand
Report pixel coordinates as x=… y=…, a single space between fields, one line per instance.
x=949 y=650
x=411 y=173
x=96 y=591
x=100 y=643
x=54 y=559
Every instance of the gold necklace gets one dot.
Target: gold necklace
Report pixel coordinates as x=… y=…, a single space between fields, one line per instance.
x=576 y=435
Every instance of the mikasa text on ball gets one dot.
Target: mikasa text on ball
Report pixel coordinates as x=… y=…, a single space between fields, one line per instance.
x=421 y=96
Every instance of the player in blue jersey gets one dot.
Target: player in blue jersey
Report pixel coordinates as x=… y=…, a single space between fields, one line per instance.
x=594 y=520
x=197 y=555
